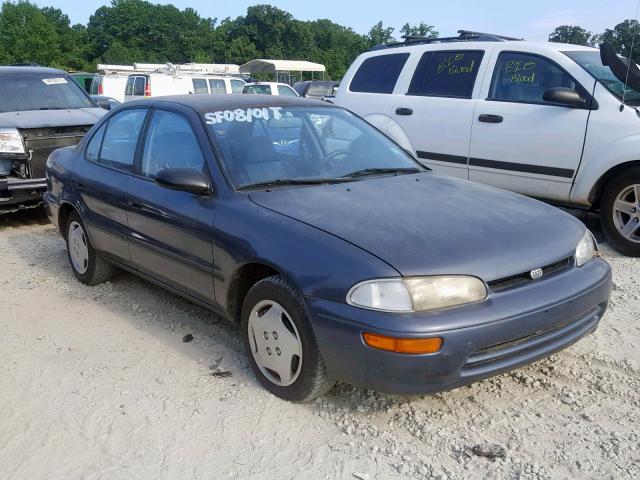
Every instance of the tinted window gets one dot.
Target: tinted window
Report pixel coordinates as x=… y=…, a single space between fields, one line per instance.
x=93 y=149
x=217 y=86
x=138 y=86
x=95 y=83
x=129 y=88
x=120 y=140
x=521 y=77
x=379 y=74
x=446 y=74
x=287 y=91
x=200 y=86
x=170 y=143
x=236 y=86
x=22 y=92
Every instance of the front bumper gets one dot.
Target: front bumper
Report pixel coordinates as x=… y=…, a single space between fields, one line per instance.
x=16 y=193
x=509 y=329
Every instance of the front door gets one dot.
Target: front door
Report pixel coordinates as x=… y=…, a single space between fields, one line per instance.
x=171 y=231
x=437 y=111
x=521 y=142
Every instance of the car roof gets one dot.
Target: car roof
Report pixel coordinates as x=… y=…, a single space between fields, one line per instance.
x=466 y=45
x=9 y=70
x=212 y=103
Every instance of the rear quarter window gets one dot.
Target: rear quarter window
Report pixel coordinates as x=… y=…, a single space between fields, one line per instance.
x=379 y=74
x=446 y=74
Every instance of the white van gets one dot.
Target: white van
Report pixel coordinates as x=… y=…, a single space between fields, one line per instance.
x=547 y=120
x=109 y=86
x=161 y=84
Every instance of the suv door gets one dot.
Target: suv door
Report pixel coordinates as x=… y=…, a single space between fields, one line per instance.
x=436 y=111
x=171 y=230
x=102 y=181
x=520 y=141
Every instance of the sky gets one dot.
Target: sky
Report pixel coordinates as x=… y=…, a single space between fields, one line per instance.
x=519 y=18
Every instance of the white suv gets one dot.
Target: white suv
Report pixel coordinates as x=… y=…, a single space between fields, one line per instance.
x=543 y=119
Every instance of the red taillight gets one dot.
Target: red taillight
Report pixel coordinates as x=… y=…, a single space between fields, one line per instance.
x=147 y=88
x=100 y=89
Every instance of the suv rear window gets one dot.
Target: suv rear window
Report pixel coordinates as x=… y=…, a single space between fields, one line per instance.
x=446 y=74
x=379 y=74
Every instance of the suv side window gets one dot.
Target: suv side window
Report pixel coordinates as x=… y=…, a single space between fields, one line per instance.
x=524 y=77
x=449 y=73
x=379 y=74
x=170 y=143
x=120 y=139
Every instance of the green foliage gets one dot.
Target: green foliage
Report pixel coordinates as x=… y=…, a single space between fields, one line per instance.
x=572 y=34
x=621 y=37
x=420 y=30
x=379 y=34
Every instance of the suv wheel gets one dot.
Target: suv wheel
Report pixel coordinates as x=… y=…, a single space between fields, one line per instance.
x=279 y=341
x=87 y=264
x=620 y=212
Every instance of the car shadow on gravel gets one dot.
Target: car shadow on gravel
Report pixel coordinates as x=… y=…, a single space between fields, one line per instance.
x=23 y=218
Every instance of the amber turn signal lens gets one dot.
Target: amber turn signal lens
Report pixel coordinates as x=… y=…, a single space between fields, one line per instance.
x=403 y=345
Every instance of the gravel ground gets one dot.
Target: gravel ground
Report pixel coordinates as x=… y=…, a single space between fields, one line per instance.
x=97 y=383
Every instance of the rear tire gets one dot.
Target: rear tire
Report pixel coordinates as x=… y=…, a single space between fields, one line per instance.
x=279 y=341
x=88 y=265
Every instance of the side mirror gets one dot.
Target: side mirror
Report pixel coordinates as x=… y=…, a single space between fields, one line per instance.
x=103 y=103
x=565 y=96
x=184 y=179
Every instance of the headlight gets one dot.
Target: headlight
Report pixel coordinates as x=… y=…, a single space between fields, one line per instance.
x=10 y=141
x=417 y=293
x=586 y=249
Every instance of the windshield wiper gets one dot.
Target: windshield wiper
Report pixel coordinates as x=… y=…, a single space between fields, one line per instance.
x=376 y=171
x=292 y=181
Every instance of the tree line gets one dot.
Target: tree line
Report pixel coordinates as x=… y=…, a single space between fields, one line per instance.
x=128 y=31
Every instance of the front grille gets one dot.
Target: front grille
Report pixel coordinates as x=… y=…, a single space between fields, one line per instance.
x=40 y=142
x=525 y=277
x=521 y=349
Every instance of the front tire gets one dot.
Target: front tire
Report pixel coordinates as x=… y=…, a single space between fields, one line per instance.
x=620 y=212
x=279 y=341
x=87 y=264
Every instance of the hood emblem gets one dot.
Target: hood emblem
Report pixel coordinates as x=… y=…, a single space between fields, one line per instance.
x=536 y=273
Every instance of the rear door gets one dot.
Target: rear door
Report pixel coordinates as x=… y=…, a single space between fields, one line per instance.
x=135 y=88
x=171 y=231
x=520 y=142
x=436 y=109
x=102 y=181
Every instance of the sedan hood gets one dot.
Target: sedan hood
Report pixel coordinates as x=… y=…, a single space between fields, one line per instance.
x=426 y=224
x=51 y=118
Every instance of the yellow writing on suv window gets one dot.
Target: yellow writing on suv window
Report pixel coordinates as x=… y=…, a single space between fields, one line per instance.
x=521 y=71
x=455 y=65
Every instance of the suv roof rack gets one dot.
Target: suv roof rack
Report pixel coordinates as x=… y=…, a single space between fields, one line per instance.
x=464 y=36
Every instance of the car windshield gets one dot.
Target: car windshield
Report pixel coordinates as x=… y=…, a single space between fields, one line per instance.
x=22 y=92
x=592 y=63
x=298 y=145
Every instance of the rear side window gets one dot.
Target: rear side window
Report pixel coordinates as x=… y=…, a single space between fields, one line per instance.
x=446 y=74
x=217 y=86
x=379 y=74
x=121 y=138
x=286 y=91
x=93 y=149
x=200 y=86
x=523 y=78
x=236 y=86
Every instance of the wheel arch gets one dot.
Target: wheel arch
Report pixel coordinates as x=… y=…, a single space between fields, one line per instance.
x=245 y=277
x=596 y=192
x=64 y=211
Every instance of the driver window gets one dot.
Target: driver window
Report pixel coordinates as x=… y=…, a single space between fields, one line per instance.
x=523 y=78
x=170 y=143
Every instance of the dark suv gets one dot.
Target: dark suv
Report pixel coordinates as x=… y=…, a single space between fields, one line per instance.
x=41 y=109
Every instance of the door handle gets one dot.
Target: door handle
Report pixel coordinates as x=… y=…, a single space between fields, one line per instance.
x=404 y=111
x=486 y=118
x=135 y=205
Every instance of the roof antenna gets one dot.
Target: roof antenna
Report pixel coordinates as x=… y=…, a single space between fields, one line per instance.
x=633 y=40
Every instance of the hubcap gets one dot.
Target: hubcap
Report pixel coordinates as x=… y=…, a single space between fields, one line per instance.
x=626 y=213
x=78 y=248
x=275 y=343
